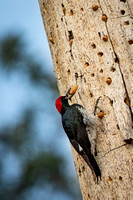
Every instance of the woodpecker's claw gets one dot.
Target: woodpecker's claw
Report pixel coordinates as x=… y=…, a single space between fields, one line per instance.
x=96 y=107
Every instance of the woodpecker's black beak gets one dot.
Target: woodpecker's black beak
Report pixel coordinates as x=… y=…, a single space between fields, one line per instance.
x=68 y=96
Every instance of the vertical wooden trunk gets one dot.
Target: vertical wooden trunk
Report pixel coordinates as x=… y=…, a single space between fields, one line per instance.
x=91 y=44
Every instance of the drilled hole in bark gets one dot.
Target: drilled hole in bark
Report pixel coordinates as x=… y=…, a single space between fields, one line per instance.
x=94 y=7
x=118 y=127
x=130 y=42
x=68 y=72
x=79 y=172
x=123 y=12
x=105 y=38
x=129 y=141
x=100 y=114
x=93 y=46
x=71 y=41
x=112 y=69
x=91 y=95
x=70 y=35
x=123 y=1
x=92 y=74
x=126 y=22
x=51 y=40
x=100 y=54
x=120 y=178
x=116 y=59
x=86 y=64
x=71 y=53
x=64 y=10
x=109 y=179
x=104 y=18
x=127 y=101
x=83 y=168
x=108 y=80
x=62 y=19
x=111 y=102
x=76 y=75
x=101 y=70
x=71 y=12
x=99 y=34
x=81 y=9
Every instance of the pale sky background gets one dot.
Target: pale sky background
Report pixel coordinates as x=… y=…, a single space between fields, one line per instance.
x=24 y=17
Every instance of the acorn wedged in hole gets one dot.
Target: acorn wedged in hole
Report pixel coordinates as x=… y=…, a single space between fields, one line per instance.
x=73 y=90
x=100 y=114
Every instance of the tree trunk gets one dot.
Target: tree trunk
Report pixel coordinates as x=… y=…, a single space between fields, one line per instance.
x=91 y=44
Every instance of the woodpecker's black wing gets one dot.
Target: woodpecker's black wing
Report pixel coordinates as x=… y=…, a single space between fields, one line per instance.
x=79 y=129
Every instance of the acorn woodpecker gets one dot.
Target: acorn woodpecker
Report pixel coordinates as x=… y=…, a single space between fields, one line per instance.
x=79 y=126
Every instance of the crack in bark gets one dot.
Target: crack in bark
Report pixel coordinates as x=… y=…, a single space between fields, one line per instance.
x=129 y=9
x=116 y=57
x=113 y=150
x=120 y=16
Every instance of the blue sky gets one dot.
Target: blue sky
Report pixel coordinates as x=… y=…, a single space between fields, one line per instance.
x=24 y=17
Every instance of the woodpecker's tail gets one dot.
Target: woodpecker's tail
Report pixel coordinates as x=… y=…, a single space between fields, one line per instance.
x=95 y=167
x=90 y=160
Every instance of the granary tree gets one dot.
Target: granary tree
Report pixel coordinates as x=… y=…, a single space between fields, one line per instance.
x=91 y=43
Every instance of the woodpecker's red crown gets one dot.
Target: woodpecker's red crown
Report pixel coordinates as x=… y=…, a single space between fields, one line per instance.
x=58 y=104
x=64 y=99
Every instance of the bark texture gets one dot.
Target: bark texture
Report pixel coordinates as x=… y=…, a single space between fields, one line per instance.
x=91 y=44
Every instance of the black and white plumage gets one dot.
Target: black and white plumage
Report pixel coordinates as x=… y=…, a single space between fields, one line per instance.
x=80 y=129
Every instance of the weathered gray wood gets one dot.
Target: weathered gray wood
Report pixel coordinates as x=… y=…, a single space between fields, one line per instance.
x=98 y=56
